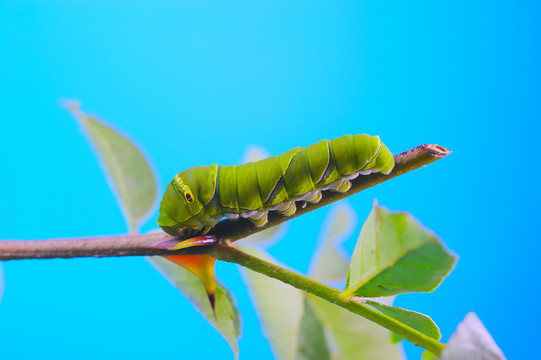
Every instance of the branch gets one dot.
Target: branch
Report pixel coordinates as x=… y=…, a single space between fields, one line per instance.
x=226 y=230
x=230 y=254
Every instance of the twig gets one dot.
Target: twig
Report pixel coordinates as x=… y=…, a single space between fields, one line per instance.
x=230 y=254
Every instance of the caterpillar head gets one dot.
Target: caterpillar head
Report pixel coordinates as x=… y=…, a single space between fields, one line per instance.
x=185 y=210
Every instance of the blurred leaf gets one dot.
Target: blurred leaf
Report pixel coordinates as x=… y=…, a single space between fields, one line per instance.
x=418 y=321
x=427 y=355
x=254 y=153
x=266 y=235
x=471 y=340
x=395 y=338
x=2 y=283
x=311 y=343
x=289 y=322
x=227 y=320
x=127 y=168
x=329 y=263
x=351 y=337
x=395 y=255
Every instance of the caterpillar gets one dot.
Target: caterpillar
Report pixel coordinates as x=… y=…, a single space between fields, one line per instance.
x=197 y=198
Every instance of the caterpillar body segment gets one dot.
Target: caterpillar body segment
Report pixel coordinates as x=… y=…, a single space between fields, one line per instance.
x=197 y=198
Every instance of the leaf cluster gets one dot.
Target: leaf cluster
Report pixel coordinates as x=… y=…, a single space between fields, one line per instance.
x=393 y=255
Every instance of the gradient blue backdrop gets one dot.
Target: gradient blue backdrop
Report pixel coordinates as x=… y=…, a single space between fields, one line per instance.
x=197 y=82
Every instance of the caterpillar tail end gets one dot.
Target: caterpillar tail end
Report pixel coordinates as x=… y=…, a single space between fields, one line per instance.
x=385 y=161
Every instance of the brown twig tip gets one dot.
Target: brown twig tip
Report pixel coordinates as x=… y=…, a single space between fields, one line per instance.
x=437 y=150
x=429 y=149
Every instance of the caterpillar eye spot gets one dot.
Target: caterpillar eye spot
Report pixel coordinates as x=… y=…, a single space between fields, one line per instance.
x=183 y=189
x=189 y=196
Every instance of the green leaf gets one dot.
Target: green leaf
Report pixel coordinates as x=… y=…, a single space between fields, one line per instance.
x=418 y=321
x=329 y=262
x=352 y=337
x=471 y=340
x=395 y=255
x=289 y=322
x=127 y=168
x=227 y=320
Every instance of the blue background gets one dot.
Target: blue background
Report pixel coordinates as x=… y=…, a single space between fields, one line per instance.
x=196 y=84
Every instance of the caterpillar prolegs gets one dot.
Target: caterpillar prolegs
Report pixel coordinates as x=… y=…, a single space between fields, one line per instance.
x=197 y=198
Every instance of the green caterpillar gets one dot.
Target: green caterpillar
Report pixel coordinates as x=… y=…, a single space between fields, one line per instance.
x=197 y=198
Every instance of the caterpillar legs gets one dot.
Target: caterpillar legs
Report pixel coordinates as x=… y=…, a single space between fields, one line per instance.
x=288 y=208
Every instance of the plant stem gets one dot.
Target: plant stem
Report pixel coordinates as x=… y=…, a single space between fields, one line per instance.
x=149 y=244
x=230 y=254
